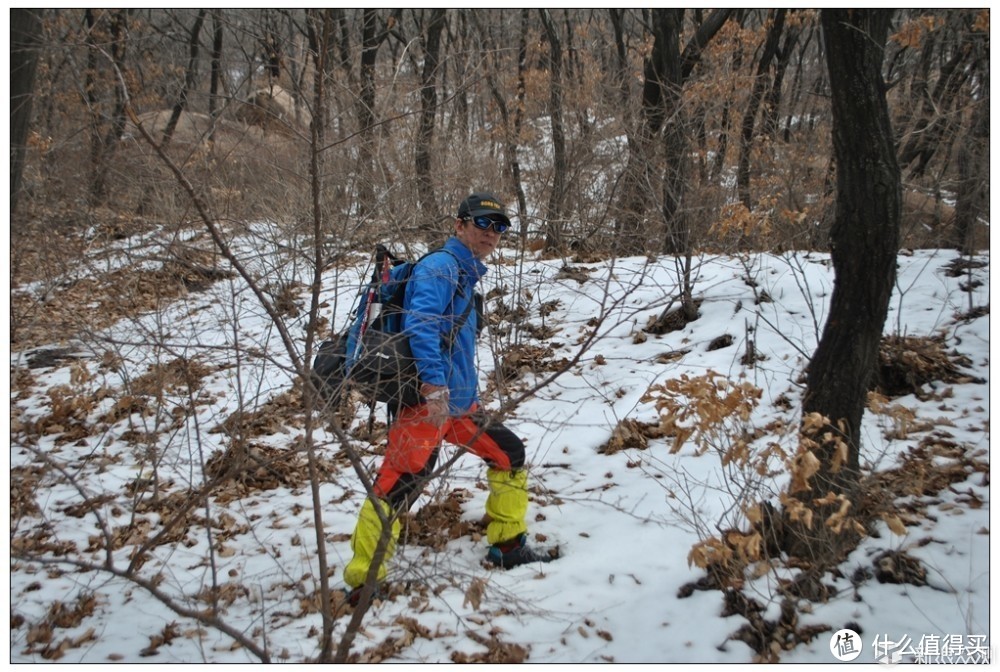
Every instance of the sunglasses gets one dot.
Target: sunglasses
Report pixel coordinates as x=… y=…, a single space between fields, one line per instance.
x=483 y=222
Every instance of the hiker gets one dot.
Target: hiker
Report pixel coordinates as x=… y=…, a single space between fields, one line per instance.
x=438 y=291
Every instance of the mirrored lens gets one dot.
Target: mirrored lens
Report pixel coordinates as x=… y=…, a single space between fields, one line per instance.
x=483 y=222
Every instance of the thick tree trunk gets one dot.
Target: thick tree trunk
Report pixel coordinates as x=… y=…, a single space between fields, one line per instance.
x=675 y=136
x=865 y=241
x=25 y=39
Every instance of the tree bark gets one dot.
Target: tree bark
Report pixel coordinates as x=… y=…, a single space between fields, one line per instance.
x=190 y=75
x=675 y=138
x=777 y=21
x=370 y=41
x=512 y=119
x=973 y=201
x=25 y=41
x=938 y=106
x=372 y=37
x=865 y=241
x=103 y=147
x=519 y=99
x=664 y=72
x=554 y=242
x=216 y=77
x=677 y=237
x=719 y=163
x=784 y=56
x=428 y=110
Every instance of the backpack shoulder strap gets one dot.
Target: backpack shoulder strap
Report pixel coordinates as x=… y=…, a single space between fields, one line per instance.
x=449 y=338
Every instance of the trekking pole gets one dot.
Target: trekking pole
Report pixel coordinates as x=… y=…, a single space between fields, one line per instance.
x=378 y=275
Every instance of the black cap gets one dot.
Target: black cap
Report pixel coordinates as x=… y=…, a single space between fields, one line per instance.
x=482 y=203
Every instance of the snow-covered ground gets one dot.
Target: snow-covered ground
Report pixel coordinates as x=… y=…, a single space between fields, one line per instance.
x=625 y=521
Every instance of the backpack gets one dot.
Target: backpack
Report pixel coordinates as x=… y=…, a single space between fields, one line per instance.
x=372 y=356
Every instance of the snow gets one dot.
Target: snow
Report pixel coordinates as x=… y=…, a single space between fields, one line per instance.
x=625 y=522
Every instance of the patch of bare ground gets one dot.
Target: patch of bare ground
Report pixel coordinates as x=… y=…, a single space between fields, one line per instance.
x=907 y=363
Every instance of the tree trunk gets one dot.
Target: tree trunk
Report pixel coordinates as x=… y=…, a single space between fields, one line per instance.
x=784 y=55
x=190 y=75
x=216 y=77
x=637 y=181
x=181 y=103
x=103 y=147
x=519 y=99
x=675 y=139
x=798 y=82
x=428 y=110
x=25 y=40
x=722 y=148
x=664 y=72
x=512 y=123
x=677 y=238
x=931 y=126
x=370 y=41
x=554 y=242
x=321 y=26
x=973 y=200
x=97 y=193
x=777 y=20
x=865 y=241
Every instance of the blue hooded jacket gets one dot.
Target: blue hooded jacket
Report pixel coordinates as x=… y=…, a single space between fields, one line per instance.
x=437 y=294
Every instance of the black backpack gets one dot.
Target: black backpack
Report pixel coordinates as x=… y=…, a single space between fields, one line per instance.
x=381 y=366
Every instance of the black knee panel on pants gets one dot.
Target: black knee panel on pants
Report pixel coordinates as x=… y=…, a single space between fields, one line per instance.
x=509 y=443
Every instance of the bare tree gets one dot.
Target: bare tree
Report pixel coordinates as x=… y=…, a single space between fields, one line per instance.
x=373 y=35
x=554 y=239
x=431 y=38
x=103 y=136
x=972 y=199
x=776 y=20
x=25 y=38
x=665 y=71
x=952 y=47
x=864 y=241
x=511 y=116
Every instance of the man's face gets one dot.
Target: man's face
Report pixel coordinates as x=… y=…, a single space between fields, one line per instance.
x=482 y=242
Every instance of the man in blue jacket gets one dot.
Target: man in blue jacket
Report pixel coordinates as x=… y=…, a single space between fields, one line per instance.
x=437 y=294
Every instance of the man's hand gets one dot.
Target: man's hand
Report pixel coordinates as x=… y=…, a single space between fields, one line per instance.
x=436 y=399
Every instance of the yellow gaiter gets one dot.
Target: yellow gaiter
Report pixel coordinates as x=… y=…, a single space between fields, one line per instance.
x=507 y=504
x=365 y=539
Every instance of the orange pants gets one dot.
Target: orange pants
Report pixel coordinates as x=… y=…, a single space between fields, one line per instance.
x=413 y=448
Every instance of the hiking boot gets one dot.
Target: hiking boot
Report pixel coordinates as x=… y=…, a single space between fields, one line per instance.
x=513 y=553
x=354 y=597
